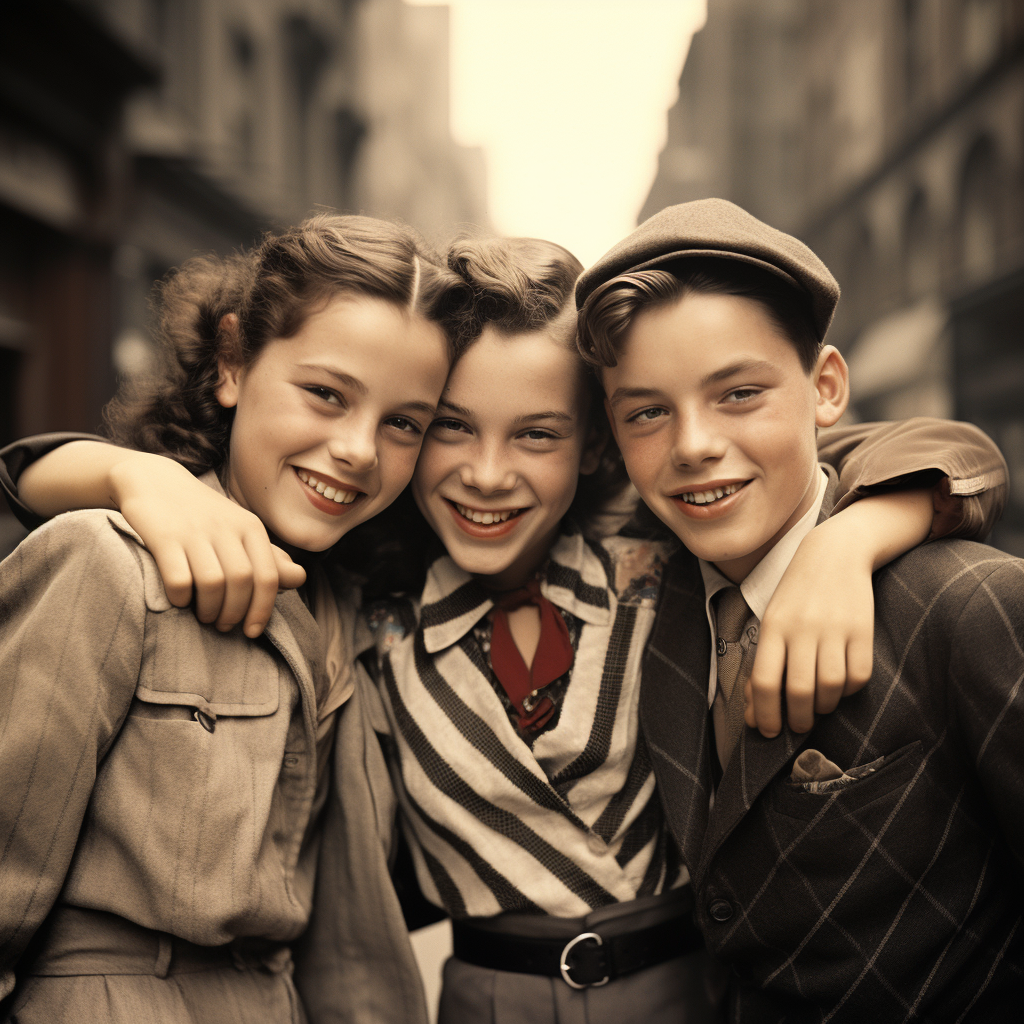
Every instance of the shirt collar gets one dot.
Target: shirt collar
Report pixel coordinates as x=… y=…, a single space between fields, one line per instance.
x=454 y=602
x=763 y=580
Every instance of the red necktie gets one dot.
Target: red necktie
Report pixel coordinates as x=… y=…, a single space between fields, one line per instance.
x=553 y=657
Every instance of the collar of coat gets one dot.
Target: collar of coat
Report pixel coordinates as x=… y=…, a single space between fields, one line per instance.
x=574 y=579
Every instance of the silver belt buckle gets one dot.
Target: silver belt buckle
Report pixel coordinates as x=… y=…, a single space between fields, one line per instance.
x=563 y=964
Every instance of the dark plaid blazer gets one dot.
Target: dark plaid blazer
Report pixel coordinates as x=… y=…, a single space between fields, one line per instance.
x=895 y=897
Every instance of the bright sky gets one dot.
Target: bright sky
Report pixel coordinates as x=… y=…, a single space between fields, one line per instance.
x=568 y=99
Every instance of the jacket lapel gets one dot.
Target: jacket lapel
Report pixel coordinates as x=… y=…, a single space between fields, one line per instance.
x=756 y=760
x=674 y=704
x=294 y=632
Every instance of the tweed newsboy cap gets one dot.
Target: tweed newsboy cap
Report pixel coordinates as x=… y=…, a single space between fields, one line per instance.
x=716 y=227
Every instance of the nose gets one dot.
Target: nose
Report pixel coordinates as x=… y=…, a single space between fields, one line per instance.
x=487 y=470
x=354 y=443
x=696 y=441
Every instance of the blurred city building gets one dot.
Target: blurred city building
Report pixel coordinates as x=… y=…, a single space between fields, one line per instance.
x=135 y=133
x=889 y=135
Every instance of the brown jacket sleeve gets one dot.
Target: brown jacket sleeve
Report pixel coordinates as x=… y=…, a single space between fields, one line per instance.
x=958 y=460
x=19 y=454
x=72 y=615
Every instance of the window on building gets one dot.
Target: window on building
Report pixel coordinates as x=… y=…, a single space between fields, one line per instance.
x=979 y=213
x=915 y=52
x=920 y=265
x=981 y=33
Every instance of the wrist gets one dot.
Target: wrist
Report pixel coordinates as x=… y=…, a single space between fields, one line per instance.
x=138 y=473
x=877 y=529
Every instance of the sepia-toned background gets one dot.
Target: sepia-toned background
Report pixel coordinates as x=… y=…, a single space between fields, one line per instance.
x=888 y=134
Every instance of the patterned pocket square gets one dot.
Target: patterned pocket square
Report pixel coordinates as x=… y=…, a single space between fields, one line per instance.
x=813 y=772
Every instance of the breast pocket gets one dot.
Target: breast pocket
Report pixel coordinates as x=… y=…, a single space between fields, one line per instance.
x=188 y=790
x=881 y=779
x=881 y=830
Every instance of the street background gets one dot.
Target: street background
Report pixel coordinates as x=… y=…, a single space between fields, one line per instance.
x=888 y=134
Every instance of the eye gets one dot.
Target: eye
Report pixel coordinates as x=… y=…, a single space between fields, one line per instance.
x=404 y=424
x=539 y=435
x=325 y=394
x=742 y=395
x=447 y=425
x=646 y=415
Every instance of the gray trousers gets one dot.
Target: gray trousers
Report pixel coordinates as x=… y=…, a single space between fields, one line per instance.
x=686 y=990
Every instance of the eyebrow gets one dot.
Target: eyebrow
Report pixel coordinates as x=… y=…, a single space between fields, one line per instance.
x=356 y=385
x=741 y=366
x=621 y=394
x=353 y=383
x=533 y=417
x=424 y=407
x=716 y=377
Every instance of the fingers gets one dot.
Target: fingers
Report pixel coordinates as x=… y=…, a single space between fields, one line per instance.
x=173 y=566
x=208 y=580
x=801 y=677
x=239 y=581
x=263 y=560
x=812 y=676
x=764 y=688
x=859 y=661
x=289 y=574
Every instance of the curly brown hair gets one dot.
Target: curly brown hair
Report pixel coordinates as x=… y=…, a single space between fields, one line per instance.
x=271 y=290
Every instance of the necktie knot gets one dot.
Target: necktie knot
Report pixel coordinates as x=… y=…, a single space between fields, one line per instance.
x=731 y=614
x=529 y=593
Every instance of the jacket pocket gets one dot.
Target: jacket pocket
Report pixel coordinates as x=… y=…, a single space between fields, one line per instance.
x=191 y=665
x=895 y=772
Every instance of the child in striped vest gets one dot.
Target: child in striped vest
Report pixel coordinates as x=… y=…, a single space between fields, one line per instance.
x=510 y=685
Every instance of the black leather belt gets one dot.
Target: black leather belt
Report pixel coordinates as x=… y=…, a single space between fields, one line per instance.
x=588 y=959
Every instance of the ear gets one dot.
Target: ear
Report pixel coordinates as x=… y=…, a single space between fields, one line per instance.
x=229 y=366
x=832 y=385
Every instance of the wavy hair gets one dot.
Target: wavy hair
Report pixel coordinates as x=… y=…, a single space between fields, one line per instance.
x=272 y=290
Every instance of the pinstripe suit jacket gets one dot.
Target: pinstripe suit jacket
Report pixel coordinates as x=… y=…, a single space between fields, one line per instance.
x=897 y=896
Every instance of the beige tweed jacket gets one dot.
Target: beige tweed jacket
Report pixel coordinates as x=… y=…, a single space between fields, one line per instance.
x=164 y=772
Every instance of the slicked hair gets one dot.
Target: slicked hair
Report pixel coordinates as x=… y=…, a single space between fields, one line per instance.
x=610 y=310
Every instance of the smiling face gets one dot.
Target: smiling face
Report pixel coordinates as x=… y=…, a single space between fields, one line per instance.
x=715 y=417
x=501 y=461
x=328 y=422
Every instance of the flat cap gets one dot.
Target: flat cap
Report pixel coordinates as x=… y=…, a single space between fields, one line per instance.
x=716 y=227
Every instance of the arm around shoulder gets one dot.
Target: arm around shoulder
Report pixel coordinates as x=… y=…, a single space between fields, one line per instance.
x=958 y=460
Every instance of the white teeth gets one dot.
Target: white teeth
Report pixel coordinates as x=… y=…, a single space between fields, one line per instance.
x=335 y=494
x=705 y=497
x=486 y=518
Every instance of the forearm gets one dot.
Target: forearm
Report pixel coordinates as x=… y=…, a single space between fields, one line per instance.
x=875 y=530
x=84 y=474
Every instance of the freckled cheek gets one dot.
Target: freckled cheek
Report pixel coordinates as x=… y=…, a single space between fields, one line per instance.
x=431 y=468
x=645 y=458
x=395 y=465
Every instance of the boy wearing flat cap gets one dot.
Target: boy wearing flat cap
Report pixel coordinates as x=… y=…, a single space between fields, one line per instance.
x=873 y=865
